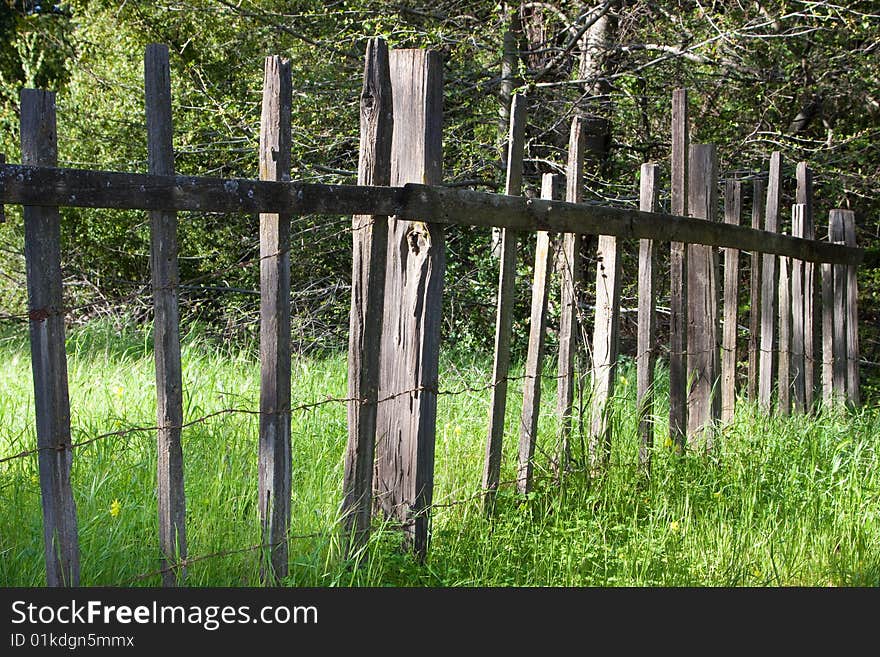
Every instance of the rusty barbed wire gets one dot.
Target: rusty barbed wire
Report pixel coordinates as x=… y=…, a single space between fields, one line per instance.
x=294 y=409
x=329 y=531
x=183 y=563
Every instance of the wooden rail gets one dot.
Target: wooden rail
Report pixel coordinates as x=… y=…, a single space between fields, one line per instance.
x=49 y=186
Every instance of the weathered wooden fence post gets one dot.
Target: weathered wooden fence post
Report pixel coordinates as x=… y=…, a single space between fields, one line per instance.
x=827 y=331
x=812 y=295
x=678 y=276
x=758 y=191
x=42 y=250
x=605 y=348
x=836 y=234
x=732 y=210
x=852 y=314
x=798 y=325
x=506 y=299
x=274 y=452
x=702 y=294
x=535 y=356
x=406 y=424
x=166 y=322
x=369 y=260
x=783 y=376
x=769 y=284
x=570 y=272
x=646 y=349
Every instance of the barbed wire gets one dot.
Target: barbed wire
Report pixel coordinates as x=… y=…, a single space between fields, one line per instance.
x=577 y=372
x=393 y=524
x=294 y=409
x=188 y=561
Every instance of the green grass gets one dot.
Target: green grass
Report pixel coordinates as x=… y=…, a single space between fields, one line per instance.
x=780 y=502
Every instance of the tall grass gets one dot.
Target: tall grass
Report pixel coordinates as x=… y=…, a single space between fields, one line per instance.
x=780 y=502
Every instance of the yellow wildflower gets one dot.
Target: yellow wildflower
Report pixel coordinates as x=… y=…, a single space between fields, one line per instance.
x=115 y=507
x=35 y=479
x=118 y=391
x=674 y=526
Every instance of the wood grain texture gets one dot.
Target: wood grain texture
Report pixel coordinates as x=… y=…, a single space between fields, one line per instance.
x=646 y=347
x=783 y=360
x=811 y=290
x=836 y=233
x=138 y=191
x=758 y=193
x=732 y=210
x=570 y=272
x=678 y=276
x=852 y=315
x=798 y=390
x=767 y=353
x=166 y=323
x=274 y=447
x=406 y=425
x=550 y=183
x=702 y=294
x=369 y=261
x=27 y=185
x=504 y=308
x=42 y=251
x=605 y=350
x=827 y=271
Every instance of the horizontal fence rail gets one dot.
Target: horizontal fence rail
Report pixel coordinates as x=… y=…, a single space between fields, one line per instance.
x=48 y=186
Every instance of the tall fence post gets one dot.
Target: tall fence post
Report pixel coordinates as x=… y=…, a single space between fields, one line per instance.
x=732 y=210
x=506 y=300
x=605 y=348
x=274 y=451
x=166 y=322
x=836 y=234
x=569 y=266
x=550 y=182
x=827 y=331
x=783 y=361
x=758 y=191
x=646 y=349
x=812 y=295
x=769 y=283
x=409 y=371
x=852 y=314
x=702 y=295
x=678 y=276
x=369 y=260
x=798 y=323
x=42 y=250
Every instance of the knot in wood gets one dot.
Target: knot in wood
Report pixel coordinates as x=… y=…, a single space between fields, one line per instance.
x=39 y=314
x=418 y=239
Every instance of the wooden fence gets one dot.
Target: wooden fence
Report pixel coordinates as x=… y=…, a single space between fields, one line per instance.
x=400 y=210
